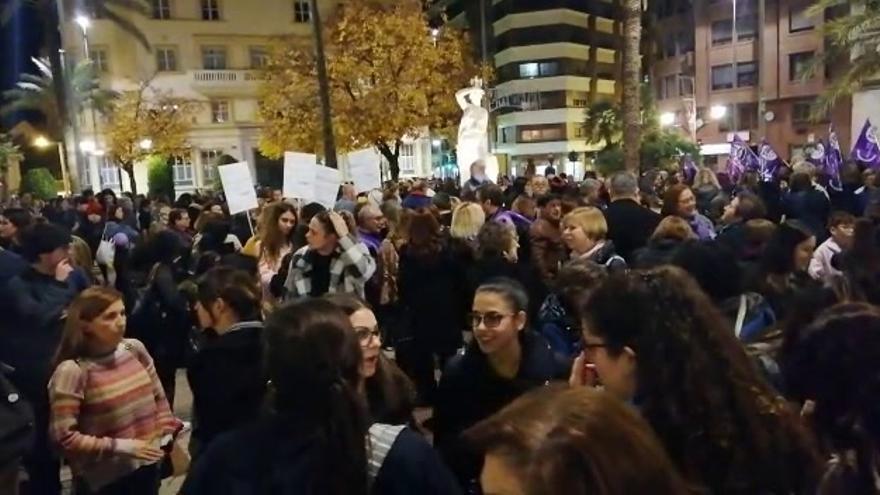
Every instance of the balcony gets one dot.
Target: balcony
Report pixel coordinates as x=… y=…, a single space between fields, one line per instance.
x=225 y=81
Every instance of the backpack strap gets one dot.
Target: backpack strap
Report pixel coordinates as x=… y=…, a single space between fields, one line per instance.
x=380 y=441
x=740 y=316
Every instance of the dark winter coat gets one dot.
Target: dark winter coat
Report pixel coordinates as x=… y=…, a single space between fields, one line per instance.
x=227 y=380
x=811 y=208
x=657 y=252
x=470 y=391
x=629 y=226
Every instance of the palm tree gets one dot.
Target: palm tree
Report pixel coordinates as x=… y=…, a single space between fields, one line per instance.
x=603 y=124
x=632 y=79
x=35 y=92
x=852 y=50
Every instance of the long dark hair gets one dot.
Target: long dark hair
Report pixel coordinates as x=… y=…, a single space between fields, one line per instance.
x=271 y=238
x=837 y=365
x=390 y=393
x=424 y=237
x=778 y=255
x=238 y=289
x=718 y=418
x=670 y=200
x=313 y=360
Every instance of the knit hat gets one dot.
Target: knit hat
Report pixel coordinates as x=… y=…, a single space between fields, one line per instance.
x=43 y=238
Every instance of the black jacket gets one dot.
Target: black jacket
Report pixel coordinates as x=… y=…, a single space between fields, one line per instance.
x=470 y=391
x=810 y=207
x=269 y=457
x=734 y=237
x=227 y=380
x=657 y=252
x=629 y=226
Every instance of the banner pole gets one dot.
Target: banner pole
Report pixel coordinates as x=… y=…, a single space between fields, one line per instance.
x=247 y=215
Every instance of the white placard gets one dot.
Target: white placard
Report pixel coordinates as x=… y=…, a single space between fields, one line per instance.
x=363 y=167
x=299 y=175
x=327 y=181
x=238 y=185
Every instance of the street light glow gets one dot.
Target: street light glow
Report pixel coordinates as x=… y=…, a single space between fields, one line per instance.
x=42 y=142
x=718 y=112
x=435 y=32
x=667 y=119
x=100 y=152
x=146 y=144
x=87 y=146
x=84 y=22
x=436 y=143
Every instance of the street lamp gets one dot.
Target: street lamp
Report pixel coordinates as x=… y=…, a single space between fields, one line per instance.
x=718 y=112
x=84 y=22
x=667 y=119
x=87 y=146
x=146 y=144
x=42 y=142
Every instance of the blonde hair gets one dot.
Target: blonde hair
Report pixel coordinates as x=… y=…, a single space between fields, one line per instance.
x=87 y=306
x=467 y=219
x=673 y=227
x=590 y=220
x=705 y=176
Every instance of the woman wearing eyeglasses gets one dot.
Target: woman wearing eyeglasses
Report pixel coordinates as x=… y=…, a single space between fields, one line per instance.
x=503 y=361
x=389 y=392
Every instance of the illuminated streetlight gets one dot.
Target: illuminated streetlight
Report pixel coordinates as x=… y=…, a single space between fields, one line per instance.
x=667 y=119
x=718 y=112
x=146 y=144
x=100 y=152
x=87 y=146
x=436 y=143
x=84 y=22
x=435 y=32
x=42 y=142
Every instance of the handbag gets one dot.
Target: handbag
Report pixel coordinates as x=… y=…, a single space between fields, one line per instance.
x=16 y=421
x=106 y=250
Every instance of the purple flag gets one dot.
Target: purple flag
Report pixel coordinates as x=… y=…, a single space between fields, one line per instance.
x=833 y=160
x=741 y=159
x=769 y=162
x=816 y=154
x=867 y=150
x=688 y=168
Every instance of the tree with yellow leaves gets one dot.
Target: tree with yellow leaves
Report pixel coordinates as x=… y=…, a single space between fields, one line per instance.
x=389 y=77
x=148 y=122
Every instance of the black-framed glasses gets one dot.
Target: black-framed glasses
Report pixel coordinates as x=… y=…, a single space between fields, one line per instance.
x=365 y=335
x=490 y=319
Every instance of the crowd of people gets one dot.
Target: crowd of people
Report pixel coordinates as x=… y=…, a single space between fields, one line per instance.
x=627 y=334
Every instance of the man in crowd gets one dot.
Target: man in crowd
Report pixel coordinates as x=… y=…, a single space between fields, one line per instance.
x=548 y=251
x=630 y=225
x=744 y=207
x=477 y=180
x=348 y=199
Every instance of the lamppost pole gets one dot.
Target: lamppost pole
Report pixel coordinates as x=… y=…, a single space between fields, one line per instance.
x=323 y=88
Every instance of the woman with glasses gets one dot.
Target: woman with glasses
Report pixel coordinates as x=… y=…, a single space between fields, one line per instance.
x=503 y=361
x=389 y=392
x=654 y=339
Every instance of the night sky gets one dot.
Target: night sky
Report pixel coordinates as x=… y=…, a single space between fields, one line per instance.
x=21 y=41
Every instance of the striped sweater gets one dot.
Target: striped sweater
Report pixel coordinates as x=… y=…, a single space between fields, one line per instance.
x=100 y=405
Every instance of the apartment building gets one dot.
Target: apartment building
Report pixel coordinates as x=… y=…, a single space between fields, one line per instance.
x=212 y=51
x=552 y=59
x=715 y=66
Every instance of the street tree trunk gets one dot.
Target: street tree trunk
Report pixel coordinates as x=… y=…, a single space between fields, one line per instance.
x=393 y=157
x=632 y=75
x=323 y=88
x=132 y=183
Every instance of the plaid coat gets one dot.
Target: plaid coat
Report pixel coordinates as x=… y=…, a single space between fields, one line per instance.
x=350 y=269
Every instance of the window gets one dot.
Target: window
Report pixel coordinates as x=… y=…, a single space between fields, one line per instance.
x=746 y=27
x=219 y=111
x=580 y=131
x=99 y=59
x=407 y=159
x=528 y=70
x=209 y=164
x=166 y=59
x=302 y=12
x=214 y=58
x=109 y=173
x=669 y=45
x=746 y=74
x=549 y=68
x=554 y=133
x=259 y=57
x=686 y=85
x=669 y=87
x=799 y=65
x=798 y=19
x=748 y=116
x=722 y=77
x=210 y=10
x=507 y=134
x=182 y=170
x=726 y=122
x=722 y=32
x=685 y=42
x=579 y=102
x=161 y=9
x=800 y=111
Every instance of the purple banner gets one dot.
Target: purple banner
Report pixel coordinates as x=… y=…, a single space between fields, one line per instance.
x=768 y=161
x=833 y=160
x=866 y=150
x=688 y=168
x=741 y=159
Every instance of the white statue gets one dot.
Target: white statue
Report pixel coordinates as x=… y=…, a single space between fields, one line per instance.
x=473 y=141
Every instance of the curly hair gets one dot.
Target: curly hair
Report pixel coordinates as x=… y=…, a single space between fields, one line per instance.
x=720 y=421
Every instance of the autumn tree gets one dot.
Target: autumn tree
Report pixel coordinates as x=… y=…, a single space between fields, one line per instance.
x=148 y=122
x=388 y=78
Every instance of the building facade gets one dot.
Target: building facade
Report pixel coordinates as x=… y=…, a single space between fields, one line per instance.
x=720 y=70
x=552 y=59
x=211 y=51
